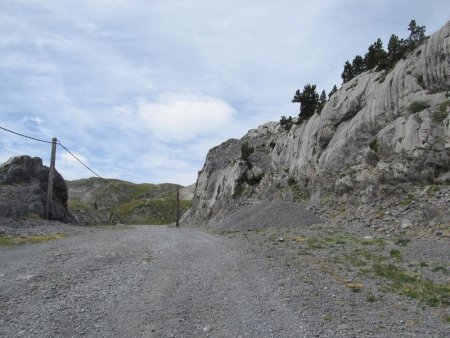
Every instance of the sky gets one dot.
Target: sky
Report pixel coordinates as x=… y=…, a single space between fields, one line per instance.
x=141 y=90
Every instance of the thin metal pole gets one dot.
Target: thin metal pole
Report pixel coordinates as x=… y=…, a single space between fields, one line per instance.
x=178 y=207
x=50 y=180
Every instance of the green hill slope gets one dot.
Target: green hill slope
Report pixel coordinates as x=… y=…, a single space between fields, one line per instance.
x=95 y=201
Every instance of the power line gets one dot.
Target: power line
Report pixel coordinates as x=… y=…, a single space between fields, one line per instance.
x=72 y=154
x=92 y=171
x=32 y=138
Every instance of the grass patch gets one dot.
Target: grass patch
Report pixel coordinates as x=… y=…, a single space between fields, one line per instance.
x=423 y=264
x=152 y=211
x=402 y=241
x=371 y=298
x=395 y=254
x=314 y=243
x=376 y=241
x=7 y=240
x=355 y=287
x=427 y=292
x=407 y=200
x=303 y=252
x=417 y=106
x=299 y=194
x=440 y=269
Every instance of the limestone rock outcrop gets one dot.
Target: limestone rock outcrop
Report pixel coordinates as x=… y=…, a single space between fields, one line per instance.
x=379 y=133
x=23 y=190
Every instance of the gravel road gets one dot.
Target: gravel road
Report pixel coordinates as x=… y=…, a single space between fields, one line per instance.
x=144 y=281
x=141 y=281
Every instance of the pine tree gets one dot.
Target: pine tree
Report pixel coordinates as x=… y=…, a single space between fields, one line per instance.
x=394 y=48
x=333 y=90
x=308 y=99
x=347 y=74
x=417 y=33
x=323 y=97
x=358 y=65
x=376 y=56
x=322 y=101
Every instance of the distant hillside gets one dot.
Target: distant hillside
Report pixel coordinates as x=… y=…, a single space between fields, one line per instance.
x=92 y=200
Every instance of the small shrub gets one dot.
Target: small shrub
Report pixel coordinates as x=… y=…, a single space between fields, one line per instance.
x=417 y=106
x=371 y=298
x=440 y=268
x=254 y=180
x=402 y=241
x=374 y=145
x=314 y=243
x=408 y=199
x=423 y=264
x=442 y=113
x=272 y=144
x=286 y=123
x=246 y=151
x=291 y=181
x=395 y=254
x=420 y=81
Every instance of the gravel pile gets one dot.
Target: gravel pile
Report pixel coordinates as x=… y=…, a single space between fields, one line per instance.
x=273 y=214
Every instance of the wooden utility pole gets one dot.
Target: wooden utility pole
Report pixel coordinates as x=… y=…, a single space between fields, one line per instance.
x=178 y=207
x=50 y=180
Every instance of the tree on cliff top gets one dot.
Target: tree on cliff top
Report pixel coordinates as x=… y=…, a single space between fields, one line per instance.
x=308 y=99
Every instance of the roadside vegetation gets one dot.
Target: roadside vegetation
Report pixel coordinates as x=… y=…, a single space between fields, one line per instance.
x=7 y=240
x=373 y=266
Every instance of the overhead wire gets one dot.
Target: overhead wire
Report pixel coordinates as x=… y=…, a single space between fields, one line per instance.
x=23 y=135
x=92 y=171
x=68 y=151
x=74 y=156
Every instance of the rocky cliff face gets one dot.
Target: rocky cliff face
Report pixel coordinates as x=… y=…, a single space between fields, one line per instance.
x=379 y=134
x=23 y=190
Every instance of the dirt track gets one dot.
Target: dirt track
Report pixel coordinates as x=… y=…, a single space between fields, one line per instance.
x=140 y=281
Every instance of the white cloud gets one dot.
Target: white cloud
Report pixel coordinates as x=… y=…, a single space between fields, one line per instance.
x=65 y=159
x=34 y=119
x=183 y=117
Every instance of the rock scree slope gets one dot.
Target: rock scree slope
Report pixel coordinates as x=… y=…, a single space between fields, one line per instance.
x=380 y=134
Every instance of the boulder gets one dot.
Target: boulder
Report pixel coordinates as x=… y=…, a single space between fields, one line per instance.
x=23 y=190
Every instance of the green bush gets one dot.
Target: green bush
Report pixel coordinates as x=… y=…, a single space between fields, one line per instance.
x=286 y=123
x=246 y=151
x=291 y=181
x=442 y=113
x=417 y=106
x=420 y=81
x=374 y=145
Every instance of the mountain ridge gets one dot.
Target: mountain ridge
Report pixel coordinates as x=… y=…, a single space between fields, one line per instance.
x=378 y=136
x=95 y=200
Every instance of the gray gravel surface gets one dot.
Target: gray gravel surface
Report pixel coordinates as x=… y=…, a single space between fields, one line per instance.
x=141 y=282
x=273 y=214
